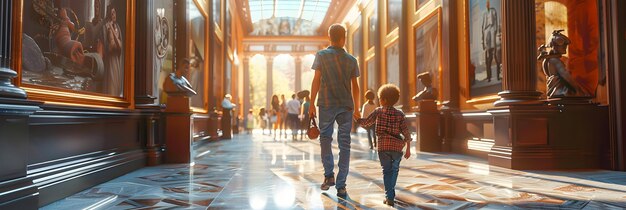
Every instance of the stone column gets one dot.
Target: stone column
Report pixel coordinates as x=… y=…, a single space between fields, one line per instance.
x=246 y=84
x=269 y=60
x=403 y=40
x=298 y=84
x=519 y=54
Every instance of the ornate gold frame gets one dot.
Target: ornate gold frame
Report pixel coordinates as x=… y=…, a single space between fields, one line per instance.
x=55 y=95
x=204 y=13
x=468 y=95
x=412 y=74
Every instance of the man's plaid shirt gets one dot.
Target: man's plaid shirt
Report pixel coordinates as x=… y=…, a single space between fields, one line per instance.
x=390 y=123
x=337 y=68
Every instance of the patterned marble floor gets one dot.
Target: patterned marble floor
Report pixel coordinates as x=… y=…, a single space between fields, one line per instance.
x=257 y=172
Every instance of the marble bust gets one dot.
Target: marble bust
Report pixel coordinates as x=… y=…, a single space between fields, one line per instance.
x=560 y=83
x=176 y=84
x=428 y=93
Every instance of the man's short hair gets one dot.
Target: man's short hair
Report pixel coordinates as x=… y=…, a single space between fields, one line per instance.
x=336 y=32
x=390 y=93
x=293 y=96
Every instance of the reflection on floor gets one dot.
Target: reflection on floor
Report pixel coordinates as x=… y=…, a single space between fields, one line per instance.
x=256 y=172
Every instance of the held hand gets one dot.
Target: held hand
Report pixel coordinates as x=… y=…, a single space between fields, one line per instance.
x=407 y=155
x=356 y=115
x=312 y=111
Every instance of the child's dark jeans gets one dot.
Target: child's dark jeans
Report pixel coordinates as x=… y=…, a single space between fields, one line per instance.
x=390 y=161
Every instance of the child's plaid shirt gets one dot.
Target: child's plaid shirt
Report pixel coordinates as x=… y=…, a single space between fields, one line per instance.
x=390 y=123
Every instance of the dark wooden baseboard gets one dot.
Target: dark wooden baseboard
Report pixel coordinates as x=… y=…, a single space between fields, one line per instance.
x=61 y=178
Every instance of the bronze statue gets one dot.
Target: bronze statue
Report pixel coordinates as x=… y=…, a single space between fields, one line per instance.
x=176 y=84
x=428 y=93
x=560 y=82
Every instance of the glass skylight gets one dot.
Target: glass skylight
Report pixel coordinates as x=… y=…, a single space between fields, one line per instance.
x=310 y=10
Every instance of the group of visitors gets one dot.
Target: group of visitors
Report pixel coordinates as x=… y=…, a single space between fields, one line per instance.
x=283 y=115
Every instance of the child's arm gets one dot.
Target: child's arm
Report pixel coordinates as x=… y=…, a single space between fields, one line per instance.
x=369 y=121
x=404 y=129
x=407 y=154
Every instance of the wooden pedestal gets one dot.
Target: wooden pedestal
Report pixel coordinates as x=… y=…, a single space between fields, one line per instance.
x=428 y=127
x=559 y=135
x=17 y=190
x=179 y=130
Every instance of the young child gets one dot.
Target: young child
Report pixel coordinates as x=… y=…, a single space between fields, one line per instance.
x=250 y=122
x=366 y=110
x=390 y=123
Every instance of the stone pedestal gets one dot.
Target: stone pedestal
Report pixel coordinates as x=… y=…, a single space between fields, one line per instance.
x=548 y=136
x=179 y=130
x=428 y=127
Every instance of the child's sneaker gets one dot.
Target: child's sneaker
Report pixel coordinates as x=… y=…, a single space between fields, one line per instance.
x=341 y=192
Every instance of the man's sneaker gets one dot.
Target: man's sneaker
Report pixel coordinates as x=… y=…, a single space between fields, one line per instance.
x=341 y=192
x=389 y=202
x=328 y=181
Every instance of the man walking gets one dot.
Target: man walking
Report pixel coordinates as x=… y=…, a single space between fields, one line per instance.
x=293 y=110
x=335 y=79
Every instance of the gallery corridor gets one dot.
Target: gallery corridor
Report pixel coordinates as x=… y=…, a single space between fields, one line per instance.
x=256 y=172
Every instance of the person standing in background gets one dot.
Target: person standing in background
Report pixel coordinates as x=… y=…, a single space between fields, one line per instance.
x=366 y=110
x=293 y=110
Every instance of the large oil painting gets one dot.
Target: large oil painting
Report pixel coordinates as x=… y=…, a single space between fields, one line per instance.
x=485 y=47
x=284 y=26
x=394 y=14
x=428 y=50
x=196 y=37
x=75 y=45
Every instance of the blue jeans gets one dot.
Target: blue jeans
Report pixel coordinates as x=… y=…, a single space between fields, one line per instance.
x=328 y=117
x=390 y=161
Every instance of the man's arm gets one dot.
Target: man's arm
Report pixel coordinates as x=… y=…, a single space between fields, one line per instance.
x=355 y=96
x=315 y=87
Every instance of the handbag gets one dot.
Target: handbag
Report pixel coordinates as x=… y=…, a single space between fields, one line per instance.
x=273 y=119
x=313 y=132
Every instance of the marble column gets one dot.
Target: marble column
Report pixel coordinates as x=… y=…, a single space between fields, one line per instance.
x=246 y=84
x=405 y=98
x=298 y=83
x=519 y=54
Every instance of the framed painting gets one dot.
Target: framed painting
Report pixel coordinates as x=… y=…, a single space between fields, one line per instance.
x=484 y=25
x=217 y=72
x=392 y=63
x=394 y=14
x=76 y=52
x=357 y=40
x=372 y=31
x=196 y=52
x=428 y=49
x=372 y=79
x=217 y=13
x=419 y=4
x=160 y=42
